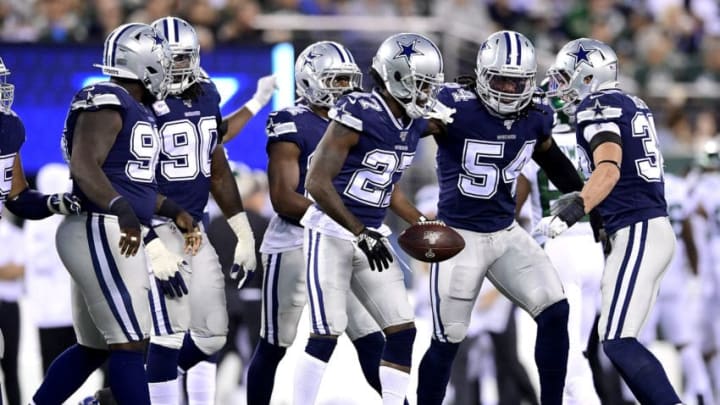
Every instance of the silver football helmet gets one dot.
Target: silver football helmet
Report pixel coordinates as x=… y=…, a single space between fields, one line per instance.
x=323 y=71
x=7 y=90
x=137 y=51
x=505 y=72
x=582 y=67
x=411 y=67
x=185 y=48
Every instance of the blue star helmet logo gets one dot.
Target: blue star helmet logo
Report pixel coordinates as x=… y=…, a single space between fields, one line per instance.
x=407 y=51
x=581 y=55
x=158 y=40
x=310 y=60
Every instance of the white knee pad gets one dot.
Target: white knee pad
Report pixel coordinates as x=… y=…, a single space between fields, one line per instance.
x=456 y=332
x=209 y=345
x=173 y=341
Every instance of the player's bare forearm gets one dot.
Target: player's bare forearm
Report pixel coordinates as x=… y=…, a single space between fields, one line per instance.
x=604 y=177
x=688 y=238
x=11 y=271
x=223 y=186
x=235 y=122
x=92 y=181
x=283 y=179
x=327 y=161
x=323 y=191
x=401 y=206
x=522 y=192
x=94 y=136
x=19 y=183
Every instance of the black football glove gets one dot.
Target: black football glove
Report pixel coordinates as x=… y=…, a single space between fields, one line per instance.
x=374 y=245
x=598 y=227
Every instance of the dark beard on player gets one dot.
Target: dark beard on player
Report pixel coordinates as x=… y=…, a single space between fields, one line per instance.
x=148 y=98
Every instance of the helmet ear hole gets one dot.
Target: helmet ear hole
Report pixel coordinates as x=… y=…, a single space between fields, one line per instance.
x=305 y=83
x=397 y=76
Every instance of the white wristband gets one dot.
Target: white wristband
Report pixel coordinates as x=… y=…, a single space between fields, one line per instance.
x=239 y=222
x=253 y=106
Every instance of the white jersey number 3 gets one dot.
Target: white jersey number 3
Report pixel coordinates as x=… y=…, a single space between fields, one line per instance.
x=650 y=167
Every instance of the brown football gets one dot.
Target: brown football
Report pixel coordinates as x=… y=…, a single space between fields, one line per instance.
x=431 y=241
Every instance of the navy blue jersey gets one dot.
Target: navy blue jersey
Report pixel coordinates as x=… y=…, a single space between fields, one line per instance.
x=386 y=147
x=301 y=126
x=639 y=194
x=480 y=158
x=12 y=136
x=130 y=163
x=189 y=132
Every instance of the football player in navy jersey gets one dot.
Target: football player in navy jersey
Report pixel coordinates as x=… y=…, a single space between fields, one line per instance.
x=192 y=164
x=577 y=257
x=323 y=71
x=371 y=139
x=494 y=131
x=14 y=191
x=617 y=131
x=111 y=142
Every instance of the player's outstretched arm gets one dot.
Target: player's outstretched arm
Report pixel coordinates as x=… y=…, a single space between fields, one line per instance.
x=283 y=179
x=225 y=191
x=236 y=121
x=94 y=136
x=31 y=204
x=327 y=162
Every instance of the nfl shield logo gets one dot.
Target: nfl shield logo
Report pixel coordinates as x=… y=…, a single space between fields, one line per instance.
x=403 y=135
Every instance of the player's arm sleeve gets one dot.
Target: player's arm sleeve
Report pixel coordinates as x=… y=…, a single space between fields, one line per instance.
x=24 y=201
x=347 y=113
x=557 y=166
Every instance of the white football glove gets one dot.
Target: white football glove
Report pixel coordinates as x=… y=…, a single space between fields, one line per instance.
x=550 y=227
x=166 y=267
x=569 y=210
x=442 y=113
x=244 y=265
x=266 y=85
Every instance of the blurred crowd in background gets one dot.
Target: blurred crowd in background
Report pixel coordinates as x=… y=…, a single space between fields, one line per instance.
x=669 y=49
